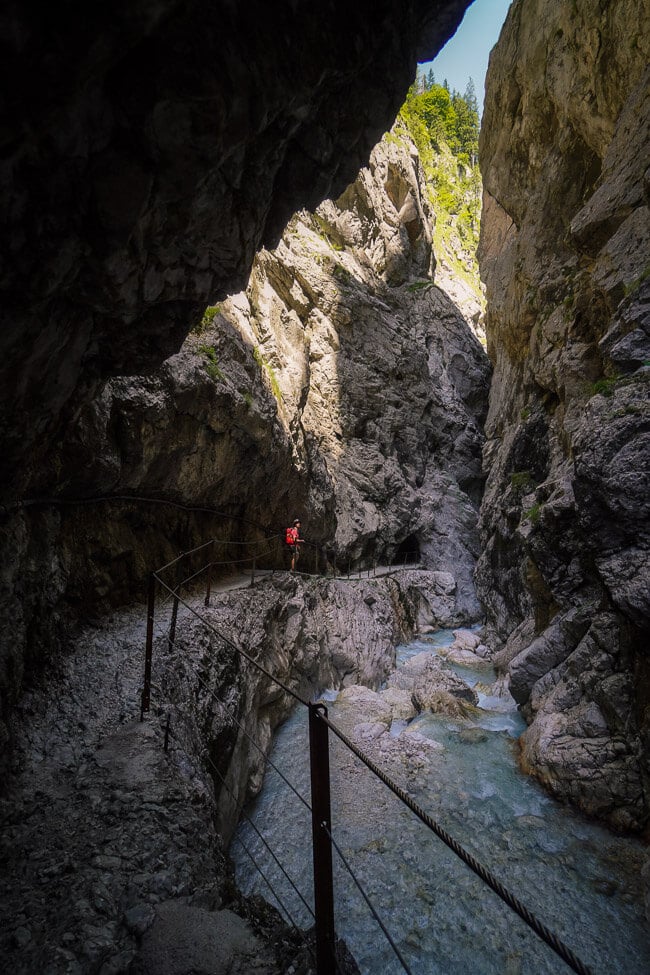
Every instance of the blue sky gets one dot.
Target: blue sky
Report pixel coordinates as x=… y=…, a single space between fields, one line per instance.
x=466 y=55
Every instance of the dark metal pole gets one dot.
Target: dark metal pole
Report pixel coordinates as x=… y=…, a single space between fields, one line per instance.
x=172 y=625
x=169 y=718
x=148 y=653
x=207 y=594
x=253 y=573
x=322 y=848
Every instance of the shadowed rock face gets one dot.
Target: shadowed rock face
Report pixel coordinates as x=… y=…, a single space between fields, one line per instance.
x=323 y=391
x=565 y=240
x=147 y=151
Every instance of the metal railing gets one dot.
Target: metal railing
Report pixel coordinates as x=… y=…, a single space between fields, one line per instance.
x=319 y=723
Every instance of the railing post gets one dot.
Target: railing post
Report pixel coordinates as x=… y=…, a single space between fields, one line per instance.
x=172 y=625
x=321 y=823
x=207 y=594
x=166 y=744
x=148 y=653
x=253 y=572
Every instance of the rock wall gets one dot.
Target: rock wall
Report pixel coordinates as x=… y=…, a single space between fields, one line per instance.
x=379 y=382
x=148 y=151
x=343 y=387
x=564 y=254
x=309 y=634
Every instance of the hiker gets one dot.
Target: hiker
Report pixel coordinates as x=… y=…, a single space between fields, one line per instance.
x=294 y=541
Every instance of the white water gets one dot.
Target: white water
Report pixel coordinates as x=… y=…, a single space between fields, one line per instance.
x=578 y=879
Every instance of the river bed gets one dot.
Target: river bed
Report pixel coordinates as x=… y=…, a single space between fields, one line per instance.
x=581 y=881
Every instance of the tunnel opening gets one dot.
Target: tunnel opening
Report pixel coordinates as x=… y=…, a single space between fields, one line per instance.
x=407 y=552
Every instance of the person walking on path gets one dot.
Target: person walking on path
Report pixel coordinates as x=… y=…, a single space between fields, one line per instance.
x=294 y=541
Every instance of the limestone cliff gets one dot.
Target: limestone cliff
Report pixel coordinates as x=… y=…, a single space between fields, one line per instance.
x=148 y=149
x=343 y=387
x=564 y=254
x=380 y=384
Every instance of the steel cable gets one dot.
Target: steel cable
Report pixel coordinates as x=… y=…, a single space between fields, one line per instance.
x=246 y=656
x=488 y=878
x=366 y=898
x=283 y=908
x=217 y=541
x=264 y=841
x=233 y=718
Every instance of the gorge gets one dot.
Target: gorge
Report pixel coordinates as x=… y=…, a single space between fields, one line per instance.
x=149 y=403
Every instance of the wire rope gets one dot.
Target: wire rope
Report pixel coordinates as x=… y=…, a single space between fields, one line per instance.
x=250 y=822
x=246 y=656
x=208 y=758
x=236 y=721
x=546 y=935
x=488 y=878
x=283 y=906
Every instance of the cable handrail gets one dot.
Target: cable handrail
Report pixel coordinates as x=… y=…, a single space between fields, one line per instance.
x=485 y=875
x=241 y=727
x=144 y=499
x=283 y=906
x=213 y=694
x=218 y=541
x=543 y=932
x=369 y=903
x=228 y=642
x=208 y=758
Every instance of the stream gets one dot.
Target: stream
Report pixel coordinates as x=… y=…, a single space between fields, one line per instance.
x=579 y=880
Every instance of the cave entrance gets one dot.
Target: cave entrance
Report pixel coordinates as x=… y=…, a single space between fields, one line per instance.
x=407 y=551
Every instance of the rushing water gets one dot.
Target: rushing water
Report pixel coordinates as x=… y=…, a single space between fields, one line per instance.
x=578 y=879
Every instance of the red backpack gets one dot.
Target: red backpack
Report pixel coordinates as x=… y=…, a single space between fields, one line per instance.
x=290 y=536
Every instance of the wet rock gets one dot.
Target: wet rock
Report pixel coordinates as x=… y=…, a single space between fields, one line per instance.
x=465 y=658
x=473 y=736
x=466 y=640
x=400 y=703
x=370 y=730
x=433 y=686
x=369 y=703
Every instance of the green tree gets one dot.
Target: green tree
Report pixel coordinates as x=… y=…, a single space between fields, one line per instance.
x=467 y=127
x=470 y=96
x=434 y=108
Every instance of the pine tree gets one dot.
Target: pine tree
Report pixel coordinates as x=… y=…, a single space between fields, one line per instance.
x=470 y=96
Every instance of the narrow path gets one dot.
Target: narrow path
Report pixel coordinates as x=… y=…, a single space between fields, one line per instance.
x=97 y=825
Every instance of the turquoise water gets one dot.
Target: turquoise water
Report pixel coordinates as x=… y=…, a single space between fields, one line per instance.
x=582 y=882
